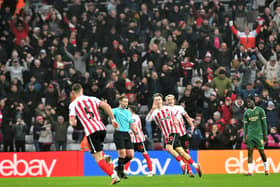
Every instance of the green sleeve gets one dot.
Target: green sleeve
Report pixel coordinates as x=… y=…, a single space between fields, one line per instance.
x=245 y=124
x=263 y=120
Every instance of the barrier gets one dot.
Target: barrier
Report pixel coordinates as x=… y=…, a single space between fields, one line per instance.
x=43 y=164
x=76 y=163
x=235 y=161
x=163 y=163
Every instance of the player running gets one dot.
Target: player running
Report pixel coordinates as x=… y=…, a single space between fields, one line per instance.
x=163 y=116
x=138 y=140
x=86 y=108
x=183 y=136
x=255 y=133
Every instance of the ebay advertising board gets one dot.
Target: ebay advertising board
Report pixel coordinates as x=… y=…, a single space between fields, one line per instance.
x=163 y=163
x=43 y=164
x=235 y=161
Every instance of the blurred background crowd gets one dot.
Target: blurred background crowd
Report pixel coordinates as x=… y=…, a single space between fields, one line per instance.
x=210 y=54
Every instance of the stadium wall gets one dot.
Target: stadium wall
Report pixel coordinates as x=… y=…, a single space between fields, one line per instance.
x=76 y=163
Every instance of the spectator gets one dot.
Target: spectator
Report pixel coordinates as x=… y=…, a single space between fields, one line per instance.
x=221 y=83
x=226 y=110
x=20 y=132
x=272 y=113
x=8 y=136
x=196 y=136
x=45 y=136
x=247 y=38
x=60 y=130
x=213 y=138
x=273 y=139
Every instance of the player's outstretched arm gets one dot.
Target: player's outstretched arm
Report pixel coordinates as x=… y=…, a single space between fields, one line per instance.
x=108 y=110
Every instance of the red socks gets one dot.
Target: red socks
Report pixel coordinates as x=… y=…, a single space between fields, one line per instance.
x=190 y=161
x=178 y=158
x=126 y=166
x=149 y=162
x=105 y=167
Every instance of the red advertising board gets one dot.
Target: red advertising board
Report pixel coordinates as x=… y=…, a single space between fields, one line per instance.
x=42 y=164
x=236 y=161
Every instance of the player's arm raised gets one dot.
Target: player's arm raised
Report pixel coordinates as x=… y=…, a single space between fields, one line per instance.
x=108 y=110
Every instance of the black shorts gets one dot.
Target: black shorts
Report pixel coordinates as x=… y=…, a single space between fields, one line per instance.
x=95 y=141
x=122 y=140
x=140 y=147
x=185 y=142
x=174 y=140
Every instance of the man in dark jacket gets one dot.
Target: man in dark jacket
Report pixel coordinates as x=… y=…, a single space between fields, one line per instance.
x=60 y=129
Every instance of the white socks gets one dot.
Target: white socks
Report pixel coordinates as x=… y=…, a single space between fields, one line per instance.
x=265 y=166
x=194 y=165
x=250 y=168
x=182 y=163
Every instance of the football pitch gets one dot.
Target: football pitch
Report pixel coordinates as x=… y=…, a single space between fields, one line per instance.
x=143 y=181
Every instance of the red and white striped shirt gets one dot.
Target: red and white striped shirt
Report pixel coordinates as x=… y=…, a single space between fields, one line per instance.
x=140 y=136
x=165 y=119
x=86 y=108
x=180 y=112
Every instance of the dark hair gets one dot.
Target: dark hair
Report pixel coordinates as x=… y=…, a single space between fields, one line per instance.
x=157 y=95
x=122 y=97
x=133 y=108
x=77 y=87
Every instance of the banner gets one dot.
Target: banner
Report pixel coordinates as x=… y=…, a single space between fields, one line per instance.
x=43 y=164
x=236 y=161
x=163 y=163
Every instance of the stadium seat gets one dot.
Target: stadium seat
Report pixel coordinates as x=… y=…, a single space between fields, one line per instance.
x=109 y=138
x=73 y=147
x=69 y=139
x=109 y=147
x=29 y=139
x=109 y=128
x=29 y=148
x=70 y=130
x=143 y=109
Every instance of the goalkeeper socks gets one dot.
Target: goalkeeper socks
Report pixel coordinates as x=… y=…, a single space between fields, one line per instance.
x=105 y=167
x=250 y=168
x=120 y=164
x=149 y=162
x=265 y=166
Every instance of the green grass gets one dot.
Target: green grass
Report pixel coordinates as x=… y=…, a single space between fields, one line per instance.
x=143 y=181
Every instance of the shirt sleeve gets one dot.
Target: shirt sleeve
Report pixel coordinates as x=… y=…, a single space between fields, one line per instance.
x=130 y=119
x=245 y=124
x=182 y=110
x=96 y=100
x=149 y=116
x=264 y=123
x=72 y=111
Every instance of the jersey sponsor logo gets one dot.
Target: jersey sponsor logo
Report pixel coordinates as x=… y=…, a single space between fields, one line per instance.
x=253 y=118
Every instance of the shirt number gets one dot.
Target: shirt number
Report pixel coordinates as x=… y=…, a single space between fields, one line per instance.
x=89 y=112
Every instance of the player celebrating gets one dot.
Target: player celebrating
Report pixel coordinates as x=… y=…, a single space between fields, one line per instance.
x=163 y=116
x=86 y=108
x=183 y=137
x=255 y=133
x=138 y=140
x=121 y=136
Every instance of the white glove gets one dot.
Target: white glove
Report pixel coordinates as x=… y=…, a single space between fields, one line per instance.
x=230 y=23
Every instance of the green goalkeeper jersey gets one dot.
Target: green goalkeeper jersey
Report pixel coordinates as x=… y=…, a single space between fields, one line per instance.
x=255 y=123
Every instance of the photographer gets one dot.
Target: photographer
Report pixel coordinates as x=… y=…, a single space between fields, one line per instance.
x=20 y=132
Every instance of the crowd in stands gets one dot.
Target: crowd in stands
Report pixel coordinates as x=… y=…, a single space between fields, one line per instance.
x=210 y=54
